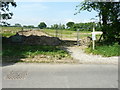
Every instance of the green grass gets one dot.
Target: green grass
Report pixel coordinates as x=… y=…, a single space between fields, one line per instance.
x=63 y=31
x=9 y=31
x=27 y=51
x=105 y=50
x=7 y=34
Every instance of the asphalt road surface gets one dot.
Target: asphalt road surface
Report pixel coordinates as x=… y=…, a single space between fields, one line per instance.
x=59 y=76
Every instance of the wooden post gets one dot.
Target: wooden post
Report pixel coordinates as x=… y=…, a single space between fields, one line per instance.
x=78 y=37
x=22 y=30
x=93 y=44
x=61 y=34
x=56 y=32
x=93 y=38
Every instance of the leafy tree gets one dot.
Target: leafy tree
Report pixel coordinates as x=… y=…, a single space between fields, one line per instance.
x=70 y=24
x=60 y=26
x=17 y=25
x=109 y=13
x=30 y=26
x=4 y=10
x=42 y=25
x=84 y=26
x=24 y=26
x=55 y=26
x=63 y=26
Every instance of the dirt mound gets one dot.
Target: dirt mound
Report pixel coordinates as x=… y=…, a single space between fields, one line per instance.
x=32 y=40
x=42 y=40
x=32 y=32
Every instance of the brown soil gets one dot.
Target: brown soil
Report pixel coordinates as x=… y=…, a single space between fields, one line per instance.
x=32 y=32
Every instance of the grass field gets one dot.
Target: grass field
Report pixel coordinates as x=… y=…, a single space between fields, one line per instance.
x=9 y=31
x=66 y=34
x=62 y=34
x=11 y=28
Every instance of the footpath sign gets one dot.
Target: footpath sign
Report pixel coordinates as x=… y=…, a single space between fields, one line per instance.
x=93 y=36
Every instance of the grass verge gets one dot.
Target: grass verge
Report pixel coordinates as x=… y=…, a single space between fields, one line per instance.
x=15 y=53
x=105 y=50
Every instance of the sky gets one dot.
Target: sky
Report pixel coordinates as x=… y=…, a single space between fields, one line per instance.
x=32 y=13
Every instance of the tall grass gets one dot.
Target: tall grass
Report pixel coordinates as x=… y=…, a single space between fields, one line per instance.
x=105 y=50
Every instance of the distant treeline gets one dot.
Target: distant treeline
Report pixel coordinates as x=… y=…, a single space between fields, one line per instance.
x=69 y=26
x=83 y=26
x=18 y=25
x=74 y=26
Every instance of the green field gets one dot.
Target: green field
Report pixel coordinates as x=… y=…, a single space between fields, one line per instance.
x=11 y=28
x=9 y=31
x=62 y=34
x=66 y=34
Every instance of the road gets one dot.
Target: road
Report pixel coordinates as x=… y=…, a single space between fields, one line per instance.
x=60 y=76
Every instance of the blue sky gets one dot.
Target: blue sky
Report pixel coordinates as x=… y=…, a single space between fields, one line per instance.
x=32 y=13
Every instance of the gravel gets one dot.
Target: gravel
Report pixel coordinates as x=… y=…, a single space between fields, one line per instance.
x=79 y=54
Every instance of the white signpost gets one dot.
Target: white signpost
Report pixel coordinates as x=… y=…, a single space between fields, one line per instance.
x=93 y=38
x=78 y=37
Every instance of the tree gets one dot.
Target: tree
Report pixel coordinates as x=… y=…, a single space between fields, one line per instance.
x=30 y=26
x=108 y=13
x=70 y=24
x=42 y=25
x=61 y=26
x=84 y=26
x=17 y=25
x=4 y=10
x=55 y=26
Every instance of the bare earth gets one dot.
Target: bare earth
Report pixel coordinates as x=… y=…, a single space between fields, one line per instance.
x=79 y=54
x=33 y=32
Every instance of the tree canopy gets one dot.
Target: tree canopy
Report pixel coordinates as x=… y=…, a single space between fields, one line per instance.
x=42 y=25
x=4 y=10
x=109 y=14
x=56 y=26
x=18 y=25
x=70 y=24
